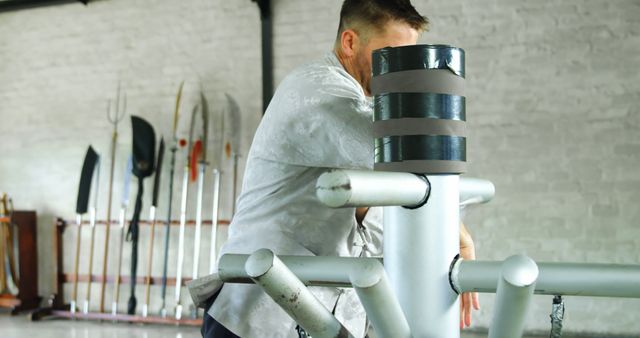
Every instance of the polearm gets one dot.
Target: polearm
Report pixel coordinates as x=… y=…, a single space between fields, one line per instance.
x=216 y=174
x=82 y=204
x=201 y=175
x=114 y=120
x=183 y=217
x=233 y=146
x=215 y=205
x=144 y=150
x=122 y=222
x=92 y=223
x=174 y=148
x=152 y=217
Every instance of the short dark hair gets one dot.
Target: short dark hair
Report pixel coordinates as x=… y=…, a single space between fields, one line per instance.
x=376 y=13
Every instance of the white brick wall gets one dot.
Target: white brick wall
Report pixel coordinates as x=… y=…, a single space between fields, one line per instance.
x=553 y=110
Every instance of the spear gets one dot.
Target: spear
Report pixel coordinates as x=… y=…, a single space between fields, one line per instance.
x=201 y=174
x=233 y=145
x=174 y=148
x=183 y=217
x=91 y=158
x=122 y=220
x=114 y=120
x=144 y=143
x=152 y=217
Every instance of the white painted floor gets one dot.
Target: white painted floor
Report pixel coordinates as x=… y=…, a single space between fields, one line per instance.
x=21 y=327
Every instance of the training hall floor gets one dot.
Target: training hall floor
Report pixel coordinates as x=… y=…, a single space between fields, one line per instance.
x=20 y=327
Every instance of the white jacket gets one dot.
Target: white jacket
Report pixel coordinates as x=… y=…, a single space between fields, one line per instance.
x=318 y=119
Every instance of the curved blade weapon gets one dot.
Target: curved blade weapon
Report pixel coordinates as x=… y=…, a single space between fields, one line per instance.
x=183 y=217
x=218 y=154
x=201 y=175
x=91 y=158
x=152 y=217
x=122 y=221
x=144 y=149
x=174 y=148
x=232 y=147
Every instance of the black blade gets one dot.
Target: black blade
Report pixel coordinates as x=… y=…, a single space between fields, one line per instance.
x=156 y=179
x=144 y=147
x=84 y=189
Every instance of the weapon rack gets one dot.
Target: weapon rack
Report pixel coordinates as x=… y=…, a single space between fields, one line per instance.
x=56 y=303
x=27 y=298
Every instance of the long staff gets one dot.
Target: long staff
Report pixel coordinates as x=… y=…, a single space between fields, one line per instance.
x=152 y=217
x=201 y=174
x=218 y=154
x=92 y=224
x=82 y=204
x=233 y=144
x=174 y=148
x=144 y=150
x=183 y=217
x=215 y=206
x=121 y=224
x=114 y=120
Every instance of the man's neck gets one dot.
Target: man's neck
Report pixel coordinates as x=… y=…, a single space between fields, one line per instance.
x=347 y=64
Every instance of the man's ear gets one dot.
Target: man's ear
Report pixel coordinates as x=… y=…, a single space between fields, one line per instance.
x=349 y=40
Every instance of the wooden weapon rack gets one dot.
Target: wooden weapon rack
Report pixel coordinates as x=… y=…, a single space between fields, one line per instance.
x=27 y=298
x=56 y=302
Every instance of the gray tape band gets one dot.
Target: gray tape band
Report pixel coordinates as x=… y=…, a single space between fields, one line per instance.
x=423 y=167
x=418 y=126
x=420 y=147
x=435 y=106
x=440 y=81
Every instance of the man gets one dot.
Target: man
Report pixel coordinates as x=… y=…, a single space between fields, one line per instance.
x=319 y=118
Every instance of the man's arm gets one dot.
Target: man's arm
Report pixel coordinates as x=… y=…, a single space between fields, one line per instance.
x=468 y=300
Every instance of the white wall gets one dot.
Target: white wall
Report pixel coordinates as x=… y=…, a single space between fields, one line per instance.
x=553 y=111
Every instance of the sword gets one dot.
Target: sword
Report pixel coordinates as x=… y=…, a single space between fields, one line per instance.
x=121 y=222
x=183 y=217
x=92 y=224
x=91 y=158
x=174 y=148
x=152 y=217
x=114 y=120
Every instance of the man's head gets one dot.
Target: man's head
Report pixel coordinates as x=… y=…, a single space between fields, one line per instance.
x=367 y=25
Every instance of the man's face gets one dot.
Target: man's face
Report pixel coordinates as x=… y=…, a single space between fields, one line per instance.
x=394 y=34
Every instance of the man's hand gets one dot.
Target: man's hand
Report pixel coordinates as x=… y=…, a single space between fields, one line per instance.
x=468 y=252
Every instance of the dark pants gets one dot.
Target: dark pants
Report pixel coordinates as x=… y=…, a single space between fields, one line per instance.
x=210 y=327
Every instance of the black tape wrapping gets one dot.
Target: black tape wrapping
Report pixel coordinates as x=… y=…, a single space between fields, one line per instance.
x=389 y=106
x=420 y=147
